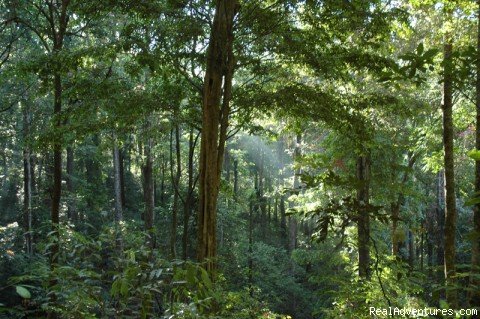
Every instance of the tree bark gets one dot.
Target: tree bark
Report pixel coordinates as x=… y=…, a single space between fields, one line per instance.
x=235 y=179
x=219 y=70
x=439 y=237
x=118 y=196
x=292 y=221
x=59 y=22
x=162 y=181
x=176 y=185
x=187 y=209
x=93 y=172
x=430 y=239
x=411 y=249
x=363 y=227
x=450 y=201
x=148 y=192
x=122 y=177
x=27 y=184
x=71 y=205
x=250 y=248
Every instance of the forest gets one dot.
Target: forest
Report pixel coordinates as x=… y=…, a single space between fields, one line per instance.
x=290 y=159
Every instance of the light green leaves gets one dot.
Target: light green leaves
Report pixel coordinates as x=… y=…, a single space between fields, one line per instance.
x=474 y=154
x=23 y=292
x=474 y=200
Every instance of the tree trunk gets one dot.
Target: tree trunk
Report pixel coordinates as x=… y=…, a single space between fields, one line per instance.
x=250 y=248
x=27 y=184
x=187 y=209
x=430 y=240
x=118 y=195
x=219 y=70
x=162 y=181
x=176 y=185
x=475 y=281
x=71 y=205
x=422 y=244
x=57 y=38
x=450 y=201
x=122 y=177
x=148 y=192
x=282 y=207
x=395 y=209
x=227 y=164
x=363 y=176
x=411 y=250
x=235 y=179
x=439 y=234
x=396 y=236
x=292 y=221
x=93 y=172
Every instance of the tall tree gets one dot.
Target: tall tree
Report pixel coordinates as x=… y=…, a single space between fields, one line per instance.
x=51 y=30
x=71 y=205
x=27 y=182
x=215 y=114
x=363 y=223
x=187 y=208
x=117 y=193
x=148 y=188
x=175 y=174
x=450 y=200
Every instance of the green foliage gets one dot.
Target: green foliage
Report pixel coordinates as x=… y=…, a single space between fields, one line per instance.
x=392 y=285
x=23 y=292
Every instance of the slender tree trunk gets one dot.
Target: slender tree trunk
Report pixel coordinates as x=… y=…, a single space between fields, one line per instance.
x=5 y=169
x=275 y=211
x=122 y=177
x=411 y=249
x=227 y=164
x=450 y=201
x=439 y=234
x=220 y=68
x=93 y=173
x=395 y=211
x=262 y=218
x=71 y=204
x=422 y=244
x=187 y=209
x=176 y=186
x=235 y=179
x=60 y=21
x=148 y=192
x=430 y=239
x=27 y=184
x=292 y=221
x=162 y=181
x=250 y=247
x=118 y=196
x=57 y=172
x=363 y=176
x=395 y=208
x=475 y=281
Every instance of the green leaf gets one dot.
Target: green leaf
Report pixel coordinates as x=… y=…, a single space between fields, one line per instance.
x=474 y=154
x=472 y=201
x=23 y=292
x=206 y=279
x=420 y=48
